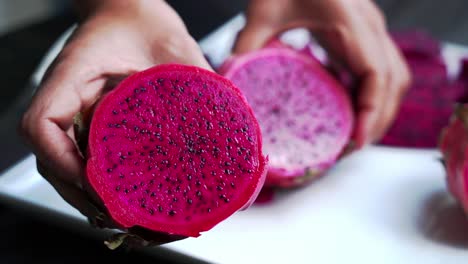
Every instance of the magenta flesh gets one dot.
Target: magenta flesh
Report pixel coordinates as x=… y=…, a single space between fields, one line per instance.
x=175 y=150
x=304 y=113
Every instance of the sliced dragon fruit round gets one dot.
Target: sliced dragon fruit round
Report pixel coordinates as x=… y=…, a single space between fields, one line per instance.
x=174 y=150
x=305 y=115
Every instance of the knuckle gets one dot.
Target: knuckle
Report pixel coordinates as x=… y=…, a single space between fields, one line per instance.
x=180 y=46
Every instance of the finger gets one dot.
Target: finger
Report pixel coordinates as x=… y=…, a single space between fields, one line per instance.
x=371 y=98
x=193 y=55
x=45 y=130
x=71 y=194
x=398 y=80
x=252 y=37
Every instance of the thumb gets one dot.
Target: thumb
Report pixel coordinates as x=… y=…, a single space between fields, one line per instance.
x=253 y=37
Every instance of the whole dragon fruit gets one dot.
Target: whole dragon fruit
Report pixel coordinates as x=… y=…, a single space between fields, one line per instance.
x=173 y=151
x=305 y=115
x=454 y=147
x=429 y=101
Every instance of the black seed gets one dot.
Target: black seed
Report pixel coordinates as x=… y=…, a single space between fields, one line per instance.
x=189 y=177
x=183 y=118
x=172 y=212
x=219 y=188
x=158 y=125
x=121 y=176
x=233 y=185
x=199 y=194
x=160 y=208
x=250 y=139
x=117 y=188
x=136 y=128
x=208 y=210
x=143 y=205
x=249 y=171
x=128 y=99
x=135 y=187
x=172 y=94
x=104 y=138
x=174 y=199
x=198 y=110
x=198 y=183
x=151 y=211
x=228 y=171
x=195 y=100
x=227 y=163
x=109 y=170
x=189 y=201
x=126 y=190
x=229 y=140
x=136 y=91
x=213 y=173
x=200 y=94
x=153 y=194
x=115 y=112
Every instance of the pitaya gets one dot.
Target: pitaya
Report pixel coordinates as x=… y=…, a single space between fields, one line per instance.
x=305 y=115
x=174 y=150
x=427 y=106
x=454 y=147
x=416 y=43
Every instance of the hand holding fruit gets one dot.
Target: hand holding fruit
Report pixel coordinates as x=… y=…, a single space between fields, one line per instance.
x=354 y=33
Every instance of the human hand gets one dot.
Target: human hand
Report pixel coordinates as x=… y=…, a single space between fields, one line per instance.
x=116 y=39
x=354 y=33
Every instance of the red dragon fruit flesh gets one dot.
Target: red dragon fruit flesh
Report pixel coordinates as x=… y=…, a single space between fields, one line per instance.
x=174 y=150
x=305 y=115
x=454 y=147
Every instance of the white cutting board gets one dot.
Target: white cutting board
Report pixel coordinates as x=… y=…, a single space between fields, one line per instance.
x=380 y=205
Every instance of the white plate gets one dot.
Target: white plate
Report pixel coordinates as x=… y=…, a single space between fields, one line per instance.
x=381 y=205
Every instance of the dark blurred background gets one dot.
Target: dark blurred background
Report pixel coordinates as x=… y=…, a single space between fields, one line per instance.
x=29 y=27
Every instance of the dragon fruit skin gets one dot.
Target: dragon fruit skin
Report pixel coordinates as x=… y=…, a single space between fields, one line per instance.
x=426 y=108
x=416 y=43
x=454 y=147
x=173 y=151
x=310 y=105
